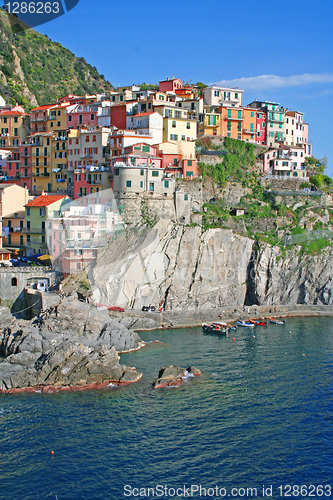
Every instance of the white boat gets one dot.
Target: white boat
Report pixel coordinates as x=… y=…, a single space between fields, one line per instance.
x=245 y=323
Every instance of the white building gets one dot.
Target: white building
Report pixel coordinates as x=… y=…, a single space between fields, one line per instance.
x=150 y=123
x=222 y=96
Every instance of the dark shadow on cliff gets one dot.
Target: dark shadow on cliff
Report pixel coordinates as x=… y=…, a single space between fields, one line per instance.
x=251 y=297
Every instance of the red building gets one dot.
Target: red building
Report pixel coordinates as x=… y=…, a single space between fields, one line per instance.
x=170 y=85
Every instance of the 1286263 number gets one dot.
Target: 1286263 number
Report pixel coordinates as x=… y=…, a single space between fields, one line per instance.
x=33 y=7
x=305 y=491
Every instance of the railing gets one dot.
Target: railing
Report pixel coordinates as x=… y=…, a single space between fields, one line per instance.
x=233 y=118
x=35 y=230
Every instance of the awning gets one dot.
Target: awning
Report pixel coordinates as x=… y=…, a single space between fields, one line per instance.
x=45 y=257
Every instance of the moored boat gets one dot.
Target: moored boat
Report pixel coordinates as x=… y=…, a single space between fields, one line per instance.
x=277 y=321
x=245 y=323
x=258 y=322
x=214 y=328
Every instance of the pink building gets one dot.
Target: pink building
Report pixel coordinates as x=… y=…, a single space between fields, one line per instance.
x=261 y=127
x=82 y=115
x=285 y=161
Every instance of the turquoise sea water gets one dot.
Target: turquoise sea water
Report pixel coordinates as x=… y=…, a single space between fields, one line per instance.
x=260 y=414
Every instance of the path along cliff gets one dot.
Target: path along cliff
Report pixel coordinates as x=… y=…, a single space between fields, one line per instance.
x=182 y=268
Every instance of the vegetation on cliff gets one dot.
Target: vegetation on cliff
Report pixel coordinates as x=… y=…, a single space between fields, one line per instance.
x=34 y=70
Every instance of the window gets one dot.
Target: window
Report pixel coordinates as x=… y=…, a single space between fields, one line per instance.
x=141 y=184
x=146 y=149
x=51 y=124
x=239 y=126
x=229 y=113
x=166 y=184
x=228 y=134
x=155 y=173
x=252 y=114
x=69 y=118
x=183 y=138
x=87 y=138
x=128 y=184
x=189 y=174
x=239 y=113
x=239 y=136
x=188 y=125
x=236 y=95
x=92 y=116
x=15 y=119
x=173 y=123
x=216 y=93
x=173 y=137
x=58 y=124
x=151 y=186
x=185 y=197
x=28 y=238
x=14 y=281
x=94 y=138
x=229 y=126
x=189 y=163
x=142 y=172
x=28 y=210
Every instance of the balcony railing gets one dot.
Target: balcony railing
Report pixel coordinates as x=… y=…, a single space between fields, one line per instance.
x=233 y=118
x=35 y=230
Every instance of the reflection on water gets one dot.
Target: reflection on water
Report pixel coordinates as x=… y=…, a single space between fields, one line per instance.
x=259 y=414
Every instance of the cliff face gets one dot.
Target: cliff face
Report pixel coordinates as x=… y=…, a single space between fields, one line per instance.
x=190 y=270
x=175 y=264
x=292 y=279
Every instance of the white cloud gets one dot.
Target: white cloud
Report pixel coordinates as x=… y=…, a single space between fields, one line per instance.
x=275 y=81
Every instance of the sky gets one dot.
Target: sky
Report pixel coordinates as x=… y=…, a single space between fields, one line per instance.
x=278 y=51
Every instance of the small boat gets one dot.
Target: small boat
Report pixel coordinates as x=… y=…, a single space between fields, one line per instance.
x=231 y=327
x=258 y=322
x=245 y=323
x=214 y=328
x=277 y=321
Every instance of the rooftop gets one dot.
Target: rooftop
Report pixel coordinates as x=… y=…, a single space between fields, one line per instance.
x=45 y=200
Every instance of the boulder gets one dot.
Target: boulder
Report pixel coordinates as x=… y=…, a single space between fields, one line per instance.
x=174 y=376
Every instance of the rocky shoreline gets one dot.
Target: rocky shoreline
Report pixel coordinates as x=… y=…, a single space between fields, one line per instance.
x=71 y=346
x=144 y=321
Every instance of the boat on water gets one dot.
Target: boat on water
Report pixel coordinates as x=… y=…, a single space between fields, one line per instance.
x=246 y=323
x=214 y=328
x=277 y=321
x=258 y=322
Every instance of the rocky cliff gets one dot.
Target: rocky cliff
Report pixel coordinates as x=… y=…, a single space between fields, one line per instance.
x=70 y=346
x=173 y=264
x=293 y=278
x=186 y=268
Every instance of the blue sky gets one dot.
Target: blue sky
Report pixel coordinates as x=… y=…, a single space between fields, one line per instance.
x=280 y=51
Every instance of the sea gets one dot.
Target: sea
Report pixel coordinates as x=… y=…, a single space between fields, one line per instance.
x=258 y=423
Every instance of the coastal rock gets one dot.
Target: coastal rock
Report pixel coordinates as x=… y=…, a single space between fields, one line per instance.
x=291 y=279
x=69 y=347
x=174 y=376
x=174 y=265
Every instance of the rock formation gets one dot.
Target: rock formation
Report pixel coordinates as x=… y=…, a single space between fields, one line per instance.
x=292 y=278
x=69 y=347
x=188 y=269
x=174 y=376
x=174 y=265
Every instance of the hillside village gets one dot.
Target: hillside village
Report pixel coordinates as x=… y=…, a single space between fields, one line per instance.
x=162 y=150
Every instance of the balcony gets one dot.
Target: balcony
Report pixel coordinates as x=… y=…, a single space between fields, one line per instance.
x=40 y=165
x=40 y=174
x=233 y=118
x=248 y=131
x=39 y=119
x=86 y=155
x=276 y=119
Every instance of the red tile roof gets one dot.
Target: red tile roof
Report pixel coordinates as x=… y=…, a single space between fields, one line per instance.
x=45 y=200
x=13 y=113
x=144 y=114
x=40 y=108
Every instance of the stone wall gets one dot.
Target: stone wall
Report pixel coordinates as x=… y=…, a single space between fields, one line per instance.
x=13 y=280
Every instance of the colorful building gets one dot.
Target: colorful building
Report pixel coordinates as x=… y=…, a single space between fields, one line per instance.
x=178 y=158
x=170 y=85
x=210 y=123
x=13 y=198
x=150 y=123
x=285 y=161
x=13 y=229
x=14 y=127
x=37 y=212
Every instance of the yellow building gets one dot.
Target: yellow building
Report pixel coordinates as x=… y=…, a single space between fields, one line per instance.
x=41 y=147
x=14 y=128
x=57 y=121
x=210 y=124
x=12 y=199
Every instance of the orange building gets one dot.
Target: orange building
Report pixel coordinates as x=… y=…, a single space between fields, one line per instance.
x=239 y=123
